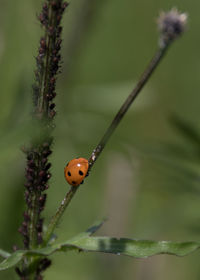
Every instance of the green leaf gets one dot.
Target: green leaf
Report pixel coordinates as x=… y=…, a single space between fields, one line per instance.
x=121 y=246
x=4 y=254
x=12 y=259
x=89 y=231
x=135 y=248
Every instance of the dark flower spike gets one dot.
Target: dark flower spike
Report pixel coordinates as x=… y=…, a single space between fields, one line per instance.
x=37 y=173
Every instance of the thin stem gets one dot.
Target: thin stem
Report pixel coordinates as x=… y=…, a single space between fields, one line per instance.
x=33 y=221
x=55 y=219
x=95 y=154
x=124 y=108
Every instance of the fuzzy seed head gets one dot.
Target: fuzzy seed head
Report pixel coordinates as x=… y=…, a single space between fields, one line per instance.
x=171 y=25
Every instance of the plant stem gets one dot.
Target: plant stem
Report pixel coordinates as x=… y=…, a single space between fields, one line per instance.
x=48 y=62
x=95 y=154
x=55 y=219
x=124 y=108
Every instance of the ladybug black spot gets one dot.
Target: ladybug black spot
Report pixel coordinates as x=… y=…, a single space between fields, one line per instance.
x=73 y=182
x=80 y=173
x=69 y=173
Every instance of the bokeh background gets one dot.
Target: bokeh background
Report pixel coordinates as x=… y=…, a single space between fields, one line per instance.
x=146 y=182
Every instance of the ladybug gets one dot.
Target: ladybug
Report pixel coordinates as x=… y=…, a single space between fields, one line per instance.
x=76 y=170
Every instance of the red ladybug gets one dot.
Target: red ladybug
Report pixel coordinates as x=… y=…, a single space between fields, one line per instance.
x=76 y=170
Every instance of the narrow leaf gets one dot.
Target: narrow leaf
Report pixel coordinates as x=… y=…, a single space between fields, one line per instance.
x=91 y=230
x=135 y=248
x=12 y=260
x=4 y=254
x=121 y=246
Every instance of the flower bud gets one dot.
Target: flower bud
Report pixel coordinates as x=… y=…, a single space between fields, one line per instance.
x=171 y=25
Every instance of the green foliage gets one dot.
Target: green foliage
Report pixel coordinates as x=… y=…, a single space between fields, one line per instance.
x=118 y=246
x=4 y=254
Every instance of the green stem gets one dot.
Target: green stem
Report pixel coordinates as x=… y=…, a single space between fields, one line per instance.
x=33 y=221
x=95 y=154
x=33 y=212
x=56 y=218
x=124 y=108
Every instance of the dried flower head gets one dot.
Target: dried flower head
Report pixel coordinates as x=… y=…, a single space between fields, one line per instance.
x=171 y=25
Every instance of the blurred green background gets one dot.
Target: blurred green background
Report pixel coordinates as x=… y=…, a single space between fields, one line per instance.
x=147 y=179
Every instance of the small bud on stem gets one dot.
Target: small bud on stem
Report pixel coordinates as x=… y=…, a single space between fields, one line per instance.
x=171 y=25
